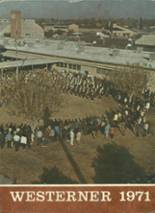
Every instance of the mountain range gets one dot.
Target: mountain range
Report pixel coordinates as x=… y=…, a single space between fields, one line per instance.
x=65 y=9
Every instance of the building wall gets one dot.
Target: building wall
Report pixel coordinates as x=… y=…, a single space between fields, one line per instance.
x=147 y=47
x=122 y=31
x=125 y=34
x=94 y=69
x=30 y=29
x=19 y=28
x=16 y=24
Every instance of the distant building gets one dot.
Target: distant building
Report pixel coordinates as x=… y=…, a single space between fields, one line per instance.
x=30 y=29
x=61 y=29
x=122 y=32
x=15 y=22
x=147 y=42
x=48 y=28
x=4 y=21
x=3 y=24
x=25 y=28
x=55 y=27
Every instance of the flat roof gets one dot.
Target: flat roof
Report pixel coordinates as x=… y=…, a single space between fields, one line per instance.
x=24 y=63
x=80 y=51
x=146 y=40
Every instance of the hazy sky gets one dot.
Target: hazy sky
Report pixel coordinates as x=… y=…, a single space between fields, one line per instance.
x=109 y=8
x=58 y=0
x=41 y=0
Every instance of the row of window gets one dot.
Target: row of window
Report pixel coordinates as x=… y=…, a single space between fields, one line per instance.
x=102 y=71
x=70 y=66
x=78 y=67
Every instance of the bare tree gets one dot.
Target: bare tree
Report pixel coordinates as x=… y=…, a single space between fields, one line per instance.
x=130 y=79
x=32 y=93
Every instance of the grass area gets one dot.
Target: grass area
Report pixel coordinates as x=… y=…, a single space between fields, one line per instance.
x=27 y=165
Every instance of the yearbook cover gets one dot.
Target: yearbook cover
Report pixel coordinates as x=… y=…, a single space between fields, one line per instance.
x=77 y=106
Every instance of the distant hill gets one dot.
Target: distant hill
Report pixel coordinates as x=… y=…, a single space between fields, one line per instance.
x=81 y=9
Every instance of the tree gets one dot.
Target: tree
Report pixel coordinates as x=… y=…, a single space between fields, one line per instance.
x=32 y=93
x=46 y=116
x=131 y=80
x=114 y=164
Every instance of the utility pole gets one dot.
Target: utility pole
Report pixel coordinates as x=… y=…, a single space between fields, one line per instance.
x=17 y=68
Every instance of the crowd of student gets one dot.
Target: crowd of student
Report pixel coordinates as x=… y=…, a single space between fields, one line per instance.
x=86 y=86
x=132 y=110
x=91 y=87
x=72 y=130
x=130 y=114
x=15 y=136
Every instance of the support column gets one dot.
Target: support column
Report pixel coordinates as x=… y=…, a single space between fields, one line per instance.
x=17 y=72
x=1 y=73
x=67 y=67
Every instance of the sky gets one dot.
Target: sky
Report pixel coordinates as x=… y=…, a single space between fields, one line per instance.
x=110 y=8
x=43 y=0
x=56 y=0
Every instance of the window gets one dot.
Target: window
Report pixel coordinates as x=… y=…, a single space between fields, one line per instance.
x=102 y=71
x=78 y=67
x=60 y=64
x=74 y=66
x=70 y=66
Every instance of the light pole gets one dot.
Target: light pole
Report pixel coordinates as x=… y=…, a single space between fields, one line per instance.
x=17 y=68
